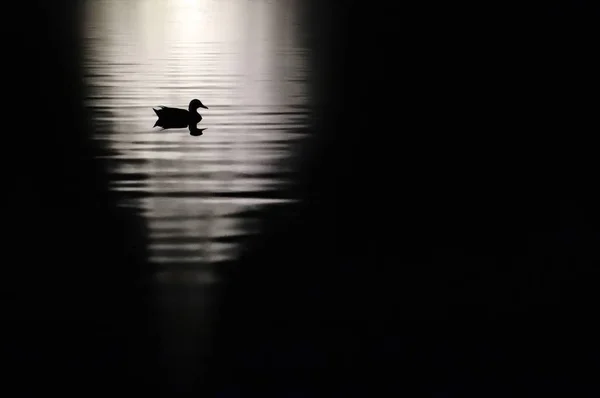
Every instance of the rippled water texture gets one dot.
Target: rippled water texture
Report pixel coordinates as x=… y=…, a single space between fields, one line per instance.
x=197 y=194
x=240 y=58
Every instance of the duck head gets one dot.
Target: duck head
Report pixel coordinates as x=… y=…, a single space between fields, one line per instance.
x=195 y=104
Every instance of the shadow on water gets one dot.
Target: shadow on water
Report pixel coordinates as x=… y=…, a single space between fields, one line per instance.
x=445 y=246
x=74 y=292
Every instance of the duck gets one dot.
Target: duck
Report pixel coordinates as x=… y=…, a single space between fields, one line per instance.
x=179 y=118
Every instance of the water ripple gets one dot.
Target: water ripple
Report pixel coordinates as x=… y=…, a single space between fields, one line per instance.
x=200 y=197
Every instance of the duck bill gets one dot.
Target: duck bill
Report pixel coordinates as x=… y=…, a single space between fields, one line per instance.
x=204 y=106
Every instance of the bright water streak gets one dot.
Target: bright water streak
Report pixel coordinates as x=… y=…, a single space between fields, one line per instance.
x=244 y=60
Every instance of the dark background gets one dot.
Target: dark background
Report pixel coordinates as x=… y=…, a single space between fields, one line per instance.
x=446 y=244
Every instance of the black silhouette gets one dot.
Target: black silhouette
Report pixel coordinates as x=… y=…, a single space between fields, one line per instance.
x=195 y=131
x=169 y=118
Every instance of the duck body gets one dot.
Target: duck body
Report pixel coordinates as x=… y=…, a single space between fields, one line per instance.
x=179 y=118
x=175 y=118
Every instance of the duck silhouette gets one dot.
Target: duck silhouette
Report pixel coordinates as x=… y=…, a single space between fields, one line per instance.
x=169 y=118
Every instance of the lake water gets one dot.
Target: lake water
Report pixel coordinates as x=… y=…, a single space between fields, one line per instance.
x=245 y=61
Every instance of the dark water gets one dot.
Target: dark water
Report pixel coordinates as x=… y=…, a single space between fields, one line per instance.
x=466 y=197
x=246 y=62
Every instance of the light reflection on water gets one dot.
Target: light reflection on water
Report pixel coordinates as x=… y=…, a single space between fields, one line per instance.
x=196 y=194
x=241 y=58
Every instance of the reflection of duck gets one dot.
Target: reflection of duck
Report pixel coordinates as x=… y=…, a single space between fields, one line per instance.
x=196 y=131
x=179 y=118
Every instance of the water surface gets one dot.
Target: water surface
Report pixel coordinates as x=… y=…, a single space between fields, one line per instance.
x=245 y=61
